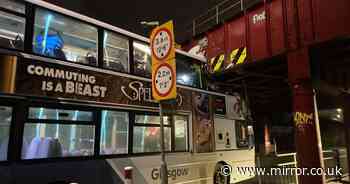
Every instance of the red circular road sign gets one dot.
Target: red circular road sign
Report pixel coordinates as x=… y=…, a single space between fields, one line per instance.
x=161 y=44
x=164 y=79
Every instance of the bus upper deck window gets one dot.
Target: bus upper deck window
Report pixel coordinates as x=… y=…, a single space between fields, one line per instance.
x=64 y=38
x=142 y=59
x=12 y=29
x=115 y=52
x=188 y=71
x=13 y=5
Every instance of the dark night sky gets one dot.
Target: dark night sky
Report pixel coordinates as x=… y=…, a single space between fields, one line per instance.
x=127 y=14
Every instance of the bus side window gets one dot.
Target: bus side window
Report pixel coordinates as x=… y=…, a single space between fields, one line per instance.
x=61 y=37
x=13 y=5
x=11 y=31
x=54 y=133
x=146 y=134
x=115 y=52
x=188 y=72
x=114 y=132
x=142 y=59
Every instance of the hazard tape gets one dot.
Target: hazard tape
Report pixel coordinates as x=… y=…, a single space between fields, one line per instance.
x=216 y=63
x=236 y=57
x=219 y=63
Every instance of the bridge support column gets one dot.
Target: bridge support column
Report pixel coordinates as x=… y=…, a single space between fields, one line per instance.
x=307 y=136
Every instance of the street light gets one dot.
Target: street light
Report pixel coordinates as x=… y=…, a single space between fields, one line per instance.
x=149 y=25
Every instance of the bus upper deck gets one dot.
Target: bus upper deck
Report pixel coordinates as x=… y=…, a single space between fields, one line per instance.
x=47 y=30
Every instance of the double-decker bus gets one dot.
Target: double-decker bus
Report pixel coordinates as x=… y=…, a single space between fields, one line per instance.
x=76 y=106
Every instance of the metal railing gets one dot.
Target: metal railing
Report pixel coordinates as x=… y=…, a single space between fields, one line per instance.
x=291 y=164
x=220 y=13
x=216 y=15
x=289 y=160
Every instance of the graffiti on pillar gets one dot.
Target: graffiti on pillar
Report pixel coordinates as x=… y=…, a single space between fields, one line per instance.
x=259 y=17
x=301 y=119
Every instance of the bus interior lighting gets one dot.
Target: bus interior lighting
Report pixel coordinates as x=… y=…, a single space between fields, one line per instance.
x=47 y=26
x=185 y=78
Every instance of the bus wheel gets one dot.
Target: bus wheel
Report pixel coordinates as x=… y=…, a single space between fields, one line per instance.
x=220 y=178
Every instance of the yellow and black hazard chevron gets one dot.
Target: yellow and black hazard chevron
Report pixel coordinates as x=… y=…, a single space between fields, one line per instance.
x=235 y=57
x=219 y=63
x=216 y=63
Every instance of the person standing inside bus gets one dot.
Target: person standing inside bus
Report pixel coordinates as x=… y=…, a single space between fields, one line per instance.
x=49 y=45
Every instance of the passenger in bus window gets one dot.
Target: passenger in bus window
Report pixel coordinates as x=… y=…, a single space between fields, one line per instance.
x=49 y=44
x=91 y=57
x=141 y=68
x=142 y=64
x=117 y=64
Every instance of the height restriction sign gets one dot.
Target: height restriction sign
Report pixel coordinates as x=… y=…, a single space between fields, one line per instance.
x=163 y=62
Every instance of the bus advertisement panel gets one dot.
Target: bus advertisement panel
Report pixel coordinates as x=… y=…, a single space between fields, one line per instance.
x=52 y=80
